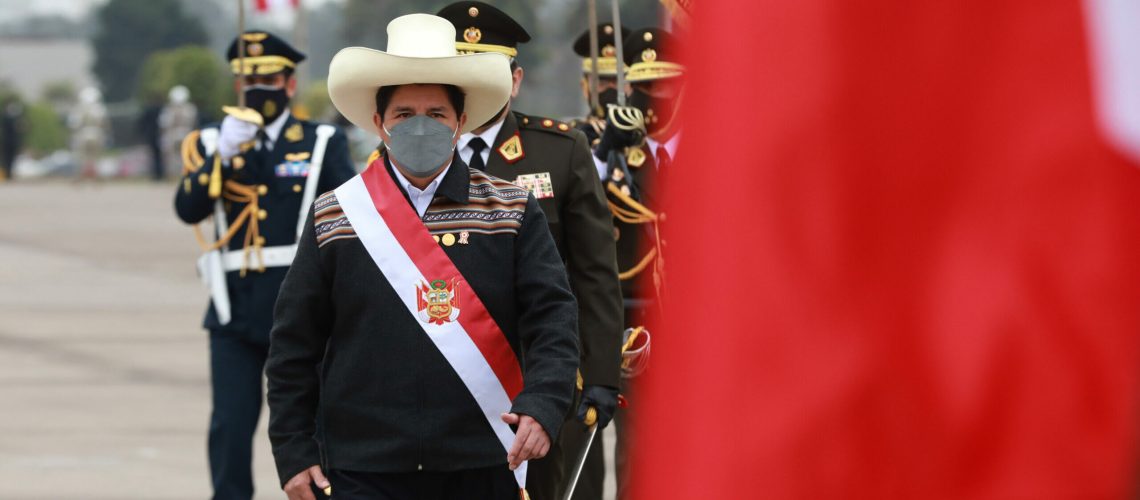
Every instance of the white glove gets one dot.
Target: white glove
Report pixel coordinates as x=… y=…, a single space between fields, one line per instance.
x=232 y=134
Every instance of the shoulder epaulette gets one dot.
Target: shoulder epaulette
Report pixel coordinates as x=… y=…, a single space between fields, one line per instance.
x=545 y=124
x=191 y=159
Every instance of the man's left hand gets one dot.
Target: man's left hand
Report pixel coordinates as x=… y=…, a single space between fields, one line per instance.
x=531 y=440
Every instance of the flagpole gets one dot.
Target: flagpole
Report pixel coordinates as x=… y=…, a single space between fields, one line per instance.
x=592 y=77
x=241 y=53
x=620 y=53
x=301 y=36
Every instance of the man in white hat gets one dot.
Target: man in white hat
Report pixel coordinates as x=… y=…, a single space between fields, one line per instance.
x=427 y=317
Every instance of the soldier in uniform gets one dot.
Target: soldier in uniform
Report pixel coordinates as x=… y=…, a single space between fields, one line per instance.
x=552 y=159
x=258 y=182
x=178 y=118
x=648 y=147
x=89 y=131
x=594 y=123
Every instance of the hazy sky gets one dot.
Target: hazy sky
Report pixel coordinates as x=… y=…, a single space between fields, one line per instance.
x=11 y=10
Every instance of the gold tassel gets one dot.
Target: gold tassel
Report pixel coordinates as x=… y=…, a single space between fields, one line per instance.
x=216 y=178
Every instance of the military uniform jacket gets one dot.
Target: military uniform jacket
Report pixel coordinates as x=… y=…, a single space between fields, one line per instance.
x=636 y=241
x=278 y=177
x=387 y=398
x=555 y=163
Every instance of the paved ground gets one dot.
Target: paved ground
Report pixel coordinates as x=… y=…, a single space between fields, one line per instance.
x=104 y=381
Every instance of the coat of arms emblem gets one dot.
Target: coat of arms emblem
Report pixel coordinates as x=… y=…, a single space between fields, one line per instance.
x=438 y=301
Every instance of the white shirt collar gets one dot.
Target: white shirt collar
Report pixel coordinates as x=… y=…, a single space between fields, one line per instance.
x=273 y=130
x=670 y=145
x=488 y=137
x=421 y=198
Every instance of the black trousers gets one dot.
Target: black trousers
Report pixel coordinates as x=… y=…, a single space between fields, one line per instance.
x=490 y=483
x=236 y=366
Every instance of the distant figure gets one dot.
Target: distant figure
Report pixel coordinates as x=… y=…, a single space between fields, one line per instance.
x=89 y=127
x=178 y=117
x=148 y=129
x=11 y=137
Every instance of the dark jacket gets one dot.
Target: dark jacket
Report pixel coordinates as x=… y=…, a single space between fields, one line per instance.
x=582 y=227
x=252 y=297
x=388 y=400
x=635 y=242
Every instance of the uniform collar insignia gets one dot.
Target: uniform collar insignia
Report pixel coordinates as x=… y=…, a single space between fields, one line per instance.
x=294 y=133
x=635 y=157
x=512 y=150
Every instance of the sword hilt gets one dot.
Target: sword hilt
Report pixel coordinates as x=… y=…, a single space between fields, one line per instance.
x=591 y=416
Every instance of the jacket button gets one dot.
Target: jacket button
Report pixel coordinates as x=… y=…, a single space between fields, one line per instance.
x=296 y=188
x=262 y=189
x=238 y=162
x=262 y=214
x=420 y=467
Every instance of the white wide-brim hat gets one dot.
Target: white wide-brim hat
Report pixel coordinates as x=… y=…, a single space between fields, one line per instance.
x=421 y=49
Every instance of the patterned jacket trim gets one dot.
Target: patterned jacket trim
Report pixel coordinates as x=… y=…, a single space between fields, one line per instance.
x=494 y=206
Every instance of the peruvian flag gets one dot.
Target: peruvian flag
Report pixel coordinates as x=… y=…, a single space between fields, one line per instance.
x=266 y=5
x=904 y=260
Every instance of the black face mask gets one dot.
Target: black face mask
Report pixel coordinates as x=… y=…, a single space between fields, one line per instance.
x=658 y=114
x=605 y=97
x=268 y=100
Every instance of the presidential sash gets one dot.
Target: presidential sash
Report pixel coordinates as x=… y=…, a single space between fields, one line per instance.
x=435 y=293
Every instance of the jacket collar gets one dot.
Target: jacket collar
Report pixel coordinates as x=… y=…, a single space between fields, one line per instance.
x=496 y=165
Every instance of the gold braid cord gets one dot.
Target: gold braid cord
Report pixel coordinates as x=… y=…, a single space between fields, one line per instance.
x=234 y=192
x=191 y=159
x=637 y=214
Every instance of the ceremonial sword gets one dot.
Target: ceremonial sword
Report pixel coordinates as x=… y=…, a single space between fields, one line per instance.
x=592 y=422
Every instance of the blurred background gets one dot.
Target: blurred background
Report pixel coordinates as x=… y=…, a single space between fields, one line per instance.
x=134 y=52
x=104 y=365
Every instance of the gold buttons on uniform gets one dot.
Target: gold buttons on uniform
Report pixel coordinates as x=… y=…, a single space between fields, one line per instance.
x=261 y=241
x=296 y=188
x=262 y=214
x=435 y=237
x=203 y=178
x=448 y=239
x=238 y=162
x=262 y=189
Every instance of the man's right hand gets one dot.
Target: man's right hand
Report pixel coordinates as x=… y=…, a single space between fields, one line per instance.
x=299 y=487
x=232 y=134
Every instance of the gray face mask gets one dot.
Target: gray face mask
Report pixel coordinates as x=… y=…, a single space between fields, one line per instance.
x=420 y=144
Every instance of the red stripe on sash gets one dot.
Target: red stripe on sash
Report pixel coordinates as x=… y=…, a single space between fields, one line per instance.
x=434 y=263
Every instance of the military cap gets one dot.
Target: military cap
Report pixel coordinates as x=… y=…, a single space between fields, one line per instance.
x=607 y=53
x=651 y=54
x=265 y=54
x=480 y=27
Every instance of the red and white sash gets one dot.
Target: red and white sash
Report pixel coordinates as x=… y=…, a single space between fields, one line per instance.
x=416 y=267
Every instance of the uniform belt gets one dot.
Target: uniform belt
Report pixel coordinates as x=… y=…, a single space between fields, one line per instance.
x=279 y=256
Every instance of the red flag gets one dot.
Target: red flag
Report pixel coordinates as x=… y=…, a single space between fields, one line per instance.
x=902 y=262
x=265 y=5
